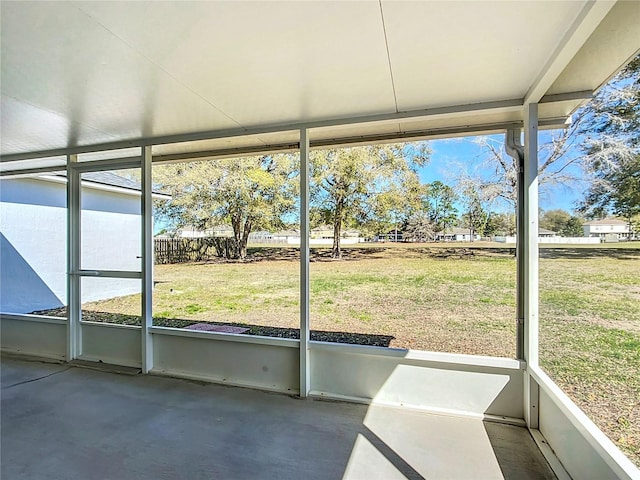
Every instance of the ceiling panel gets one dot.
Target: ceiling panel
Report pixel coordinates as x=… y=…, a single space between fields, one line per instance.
x=83 y=73
x=615 y=41
x=287 y=61
x=25 y=126
x=447 y=53
x=57 y=60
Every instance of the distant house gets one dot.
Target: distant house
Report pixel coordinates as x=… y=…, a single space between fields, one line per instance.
x=33 y=238
x=607 y=228
x=193 y=232
x=322 y=232
x=350 y=234
x=287 y=236
x=325 y=232
x=456 y=234
x=262 y=236
x=395 y=235
x=549 y=236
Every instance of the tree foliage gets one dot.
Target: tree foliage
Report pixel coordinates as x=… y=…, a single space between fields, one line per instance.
x=475 y=216
x=248 y=194
x=391 y=207
x=603 y=140
x=439 y=201
x=561 y=222
x=360 y=185
x=573 y=228
x=498 y=177
x=419 y=228
x=501 y=224
x=432 y=210
x=612 y=147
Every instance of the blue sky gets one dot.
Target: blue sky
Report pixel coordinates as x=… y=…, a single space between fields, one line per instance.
x=450 y=157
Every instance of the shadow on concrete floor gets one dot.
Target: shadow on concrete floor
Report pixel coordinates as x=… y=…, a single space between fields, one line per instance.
x=66 y=422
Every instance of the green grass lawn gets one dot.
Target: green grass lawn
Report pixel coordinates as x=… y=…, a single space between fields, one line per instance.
x=590 y=339
x=441 y=299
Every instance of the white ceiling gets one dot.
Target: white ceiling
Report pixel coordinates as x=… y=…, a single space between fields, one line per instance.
x=86 y=73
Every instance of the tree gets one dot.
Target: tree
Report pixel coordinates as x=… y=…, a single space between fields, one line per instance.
x=603 y=140
x=419 y=228
x=475 y=217
x=558 y=164
x=561 y=222
x=501 y=224
x=391 y=207
x=612 y=147
x=614 y=113
x=616 y=189
x=555 y=220
x=573 y=227
x=421 y=210
x=363 y=184
x=439 y=201
x=251 y=193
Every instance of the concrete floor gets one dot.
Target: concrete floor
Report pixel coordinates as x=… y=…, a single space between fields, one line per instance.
x=61 y=422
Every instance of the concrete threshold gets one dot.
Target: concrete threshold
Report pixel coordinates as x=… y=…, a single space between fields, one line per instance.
x=105 y=367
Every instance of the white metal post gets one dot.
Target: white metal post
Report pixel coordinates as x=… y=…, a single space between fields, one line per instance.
x=530 y=251
x=305 y=383
x=147 y=261
x=74 y=304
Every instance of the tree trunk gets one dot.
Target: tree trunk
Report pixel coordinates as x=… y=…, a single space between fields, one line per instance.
x=236 y=223
x=242 y=245
x=241 y=248
x=337 y=230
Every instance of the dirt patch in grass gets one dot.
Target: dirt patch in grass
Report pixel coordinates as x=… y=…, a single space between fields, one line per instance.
x=580 y=254
x=352 y=253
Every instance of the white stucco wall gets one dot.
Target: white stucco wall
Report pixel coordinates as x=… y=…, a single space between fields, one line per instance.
x=32 y=252
x=110 y=231
x=33 y=221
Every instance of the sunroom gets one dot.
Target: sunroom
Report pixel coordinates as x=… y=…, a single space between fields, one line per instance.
x=109 y=86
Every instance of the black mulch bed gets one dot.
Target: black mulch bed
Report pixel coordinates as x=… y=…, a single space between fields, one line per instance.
x=258 y=330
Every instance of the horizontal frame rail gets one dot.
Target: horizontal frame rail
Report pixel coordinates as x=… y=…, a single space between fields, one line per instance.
x=446 y=111
x=107 y=273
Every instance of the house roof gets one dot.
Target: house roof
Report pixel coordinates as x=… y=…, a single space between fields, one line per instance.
x=110 y=77
x=606 y=221
x=544 y=231
x=110 y=179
